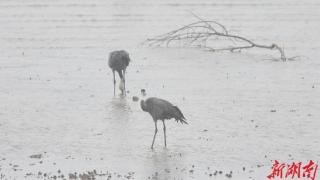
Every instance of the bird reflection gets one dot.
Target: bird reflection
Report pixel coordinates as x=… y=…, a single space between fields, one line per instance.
x=117 y=127
x=119 y=110
x=166 y=164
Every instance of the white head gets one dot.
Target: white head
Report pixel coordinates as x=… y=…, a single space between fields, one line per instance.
x=143 y=92
x=142 y=102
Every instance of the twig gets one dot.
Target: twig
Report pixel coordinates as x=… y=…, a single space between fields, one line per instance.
x=201 y=31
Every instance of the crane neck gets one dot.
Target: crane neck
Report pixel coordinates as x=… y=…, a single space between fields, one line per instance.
x=143 y=105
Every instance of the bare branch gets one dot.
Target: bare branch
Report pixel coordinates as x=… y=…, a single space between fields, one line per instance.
x=203 y=31
x=224 y=28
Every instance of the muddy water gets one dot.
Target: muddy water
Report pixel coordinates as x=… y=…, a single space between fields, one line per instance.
x=243 y=110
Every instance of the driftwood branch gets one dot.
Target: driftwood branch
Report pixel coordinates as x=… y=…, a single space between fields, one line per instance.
x=201 y=33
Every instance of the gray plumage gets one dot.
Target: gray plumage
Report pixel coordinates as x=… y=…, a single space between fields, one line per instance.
x=161 y=109
x=119 y=61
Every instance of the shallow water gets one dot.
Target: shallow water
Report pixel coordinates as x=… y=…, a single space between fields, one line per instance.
x=57 y=93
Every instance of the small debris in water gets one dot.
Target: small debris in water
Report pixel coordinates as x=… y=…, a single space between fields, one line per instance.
x=135 y=98
x=273 y=110
x=229 y=175
x=36 y=156
x=72 y=176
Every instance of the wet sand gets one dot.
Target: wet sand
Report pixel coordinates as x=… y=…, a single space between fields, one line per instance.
x=60 y=120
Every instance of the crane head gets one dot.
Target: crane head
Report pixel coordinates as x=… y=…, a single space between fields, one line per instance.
x=143 y=92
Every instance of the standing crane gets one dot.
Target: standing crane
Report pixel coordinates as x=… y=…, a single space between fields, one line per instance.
x=161 y=109
x=119 y=61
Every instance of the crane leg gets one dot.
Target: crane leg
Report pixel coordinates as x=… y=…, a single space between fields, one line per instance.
x=124 y=81
x=165 y=135
x=155 y=133
x=114 y=84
